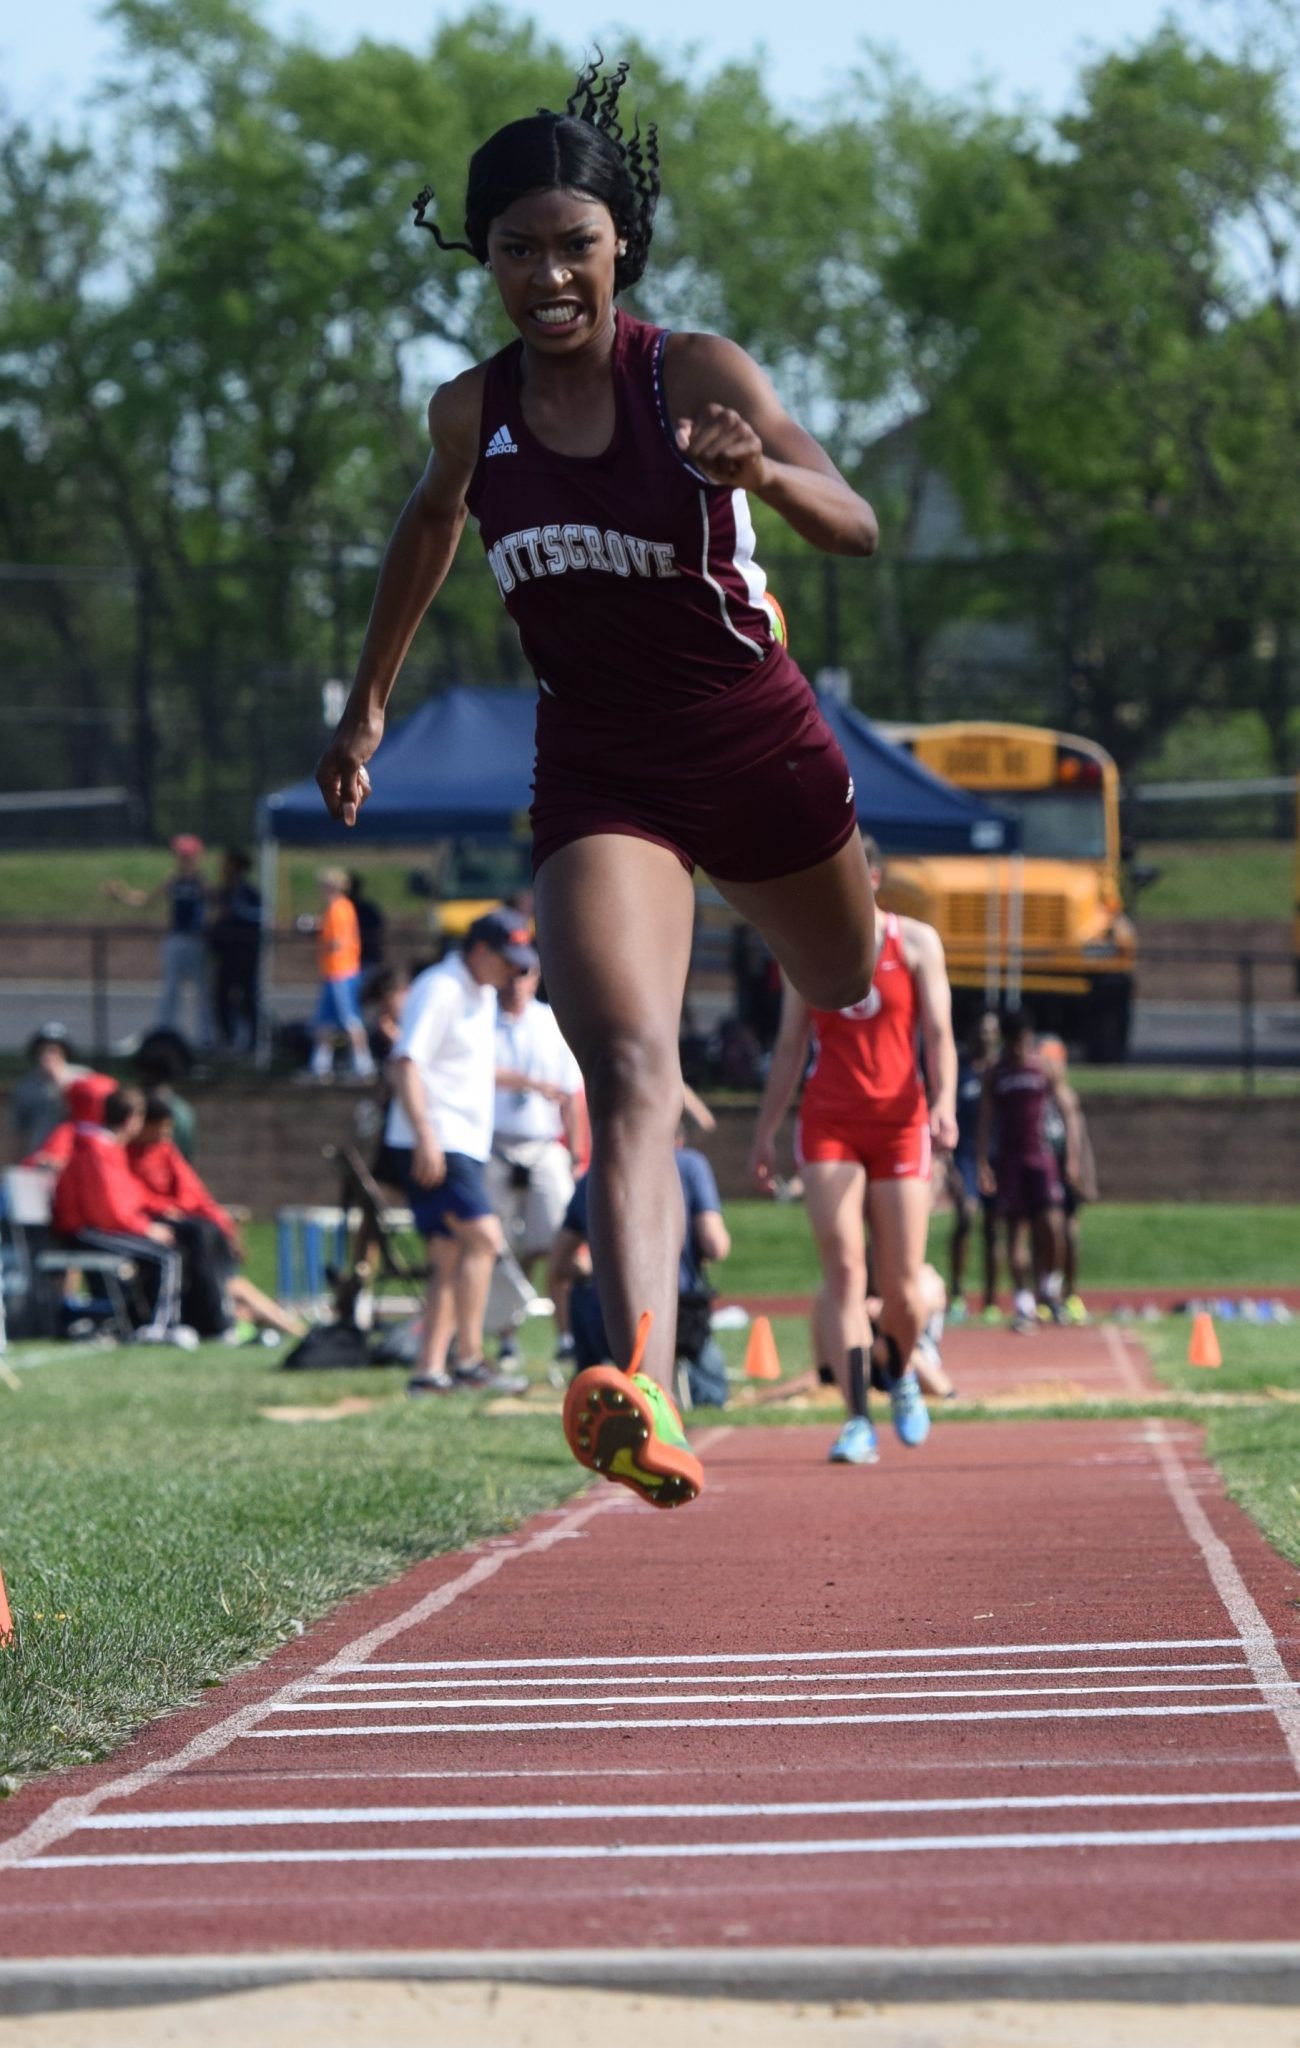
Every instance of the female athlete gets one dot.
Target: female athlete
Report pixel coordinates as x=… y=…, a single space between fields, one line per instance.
x=865 y=1131
x=607 y=463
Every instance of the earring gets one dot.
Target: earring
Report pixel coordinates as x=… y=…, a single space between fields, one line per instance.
x=620 y=248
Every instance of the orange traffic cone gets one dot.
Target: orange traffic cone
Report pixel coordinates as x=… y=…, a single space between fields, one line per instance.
x=6 y=1618
x=761 y=1361
x=1204 y=1347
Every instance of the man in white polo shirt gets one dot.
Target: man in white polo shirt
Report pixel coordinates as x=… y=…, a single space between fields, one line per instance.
x=539 y=1125
x=444 y=1078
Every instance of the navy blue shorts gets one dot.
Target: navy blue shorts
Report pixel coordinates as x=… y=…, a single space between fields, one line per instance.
x=462 y=1193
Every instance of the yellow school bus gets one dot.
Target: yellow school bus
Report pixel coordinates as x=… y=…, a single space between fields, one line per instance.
x=1043 y=928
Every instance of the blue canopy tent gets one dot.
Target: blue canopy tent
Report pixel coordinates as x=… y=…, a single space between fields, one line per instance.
x=905 y=807
x=461 y=767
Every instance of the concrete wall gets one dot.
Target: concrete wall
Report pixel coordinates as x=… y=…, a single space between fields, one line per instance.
x=261 y=1145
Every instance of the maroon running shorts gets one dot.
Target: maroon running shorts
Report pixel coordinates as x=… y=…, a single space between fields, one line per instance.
x=1025 y=1188
x=747 y=785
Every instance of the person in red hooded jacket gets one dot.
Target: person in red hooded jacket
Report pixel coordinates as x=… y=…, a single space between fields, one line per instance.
x=99 y=1205
x=189 y=1206
x=84 y=1100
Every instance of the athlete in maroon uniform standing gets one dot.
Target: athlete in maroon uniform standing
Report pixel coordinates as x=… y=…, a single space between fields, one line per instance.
x=607 y=464
x=1016 y=1162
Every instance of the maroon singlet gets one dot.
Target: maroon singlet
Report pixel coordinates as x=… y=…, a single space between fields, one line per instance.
x=667 y=708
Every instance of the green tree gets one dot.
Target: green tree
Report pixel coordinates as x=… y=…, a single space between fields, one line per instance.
x=1103 y=326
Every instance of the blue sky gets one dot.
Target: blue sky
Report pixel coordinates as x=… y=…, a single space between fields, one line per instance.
x=52 y=53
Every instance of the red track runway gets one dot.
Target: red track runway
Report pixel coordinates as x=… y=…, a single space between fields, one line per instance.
x=1034 y=1684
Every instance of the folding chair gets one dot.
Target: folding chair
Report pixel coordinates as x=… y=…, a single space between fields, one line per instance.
x=38 y=1264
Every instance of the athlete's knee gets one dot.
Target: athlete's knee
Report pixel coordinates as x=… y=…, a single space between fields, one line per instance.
x=904 y=1301
x=631 y=1074
x=838 y=984
x=845 y=1272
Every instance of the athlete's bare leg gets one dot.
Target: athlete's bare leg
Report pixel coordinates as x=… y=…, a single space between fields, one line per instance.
x=820 y=924
x=439 y=1320
x=833 y=1192
x=480 y=1242
x=615 y=917
x=899 y=1214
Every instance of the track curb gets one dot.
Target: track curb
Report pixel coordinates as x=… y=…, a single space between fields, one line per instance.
x=1230 y=1973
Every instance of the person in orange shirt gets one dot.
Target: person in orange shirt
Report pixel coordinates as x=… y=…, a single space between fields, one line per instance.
x=338 y=951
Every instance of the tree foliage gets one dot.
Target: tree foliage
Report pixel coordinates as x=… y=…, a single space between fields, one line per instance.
x=218 y=330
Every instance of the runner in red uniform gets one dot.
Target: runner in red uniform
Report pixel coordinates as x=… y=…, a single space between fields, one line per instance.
x=865 y=1131
x=608 y=465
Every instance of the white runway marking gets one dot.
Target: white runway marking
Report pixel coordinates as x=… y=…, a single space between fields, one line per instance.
x=793 y=1809
x=392 y=1729
x=598 y=1704
x=1256 y=1637
x=792 y=1656
x=1122 y=1359
x=66 y=1815
x=618 y=1852
x=351 y=1685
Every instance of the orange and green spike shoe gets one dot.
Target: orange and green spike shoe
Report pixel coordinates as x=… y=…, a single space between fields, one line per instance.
x=624 y=1425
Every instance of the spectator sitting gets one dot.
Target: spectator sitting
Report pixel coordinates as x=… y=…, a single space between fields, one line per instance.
x=86 y=1097
x=699 y=1356
x=36 y=1105
x=163 y=1059
x=184 y=1199
x=99 y=1205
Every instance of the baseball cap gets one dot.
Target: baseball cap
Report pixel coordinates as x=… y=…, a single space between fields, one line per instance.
x=507 y=933
x=187 y=846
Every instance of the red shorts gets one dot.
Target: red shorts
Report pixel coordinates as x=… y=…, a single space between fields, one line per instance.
x=887 y=1151
x=748 y=785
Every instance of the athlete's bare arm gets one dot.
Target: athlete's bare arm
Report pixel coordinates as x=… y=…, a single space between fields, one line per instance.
x=923 y=951
x=731 y=425
x=418 y=556
x=783 y=1077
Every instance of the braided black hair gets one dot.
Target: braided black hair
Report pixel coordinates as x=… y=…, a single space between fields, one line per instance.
x=581 y=150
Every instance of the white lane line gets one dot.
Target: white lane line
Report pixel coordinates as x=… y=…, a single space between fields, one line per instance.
x=64 y=1816
x=392 y=1729
x=1122 y=1360
x=793 y=1809
x=618 y=1852
x=357 y=1685
x=791 y=1656
x=724 y=1699
x=1256 y=1637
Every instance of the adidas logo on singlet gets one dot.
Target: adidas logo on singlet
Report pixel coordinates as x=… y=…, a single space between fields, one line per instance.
x=501 y=443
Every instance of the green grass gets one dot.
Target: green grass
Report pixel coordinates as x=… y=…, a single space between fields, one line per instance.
x=1210 y=878
x=1218 y=878
x=67 y=888
x=1256 y=1448
x=1184 y=1081
x=1170 y=1244
x=156 y=1531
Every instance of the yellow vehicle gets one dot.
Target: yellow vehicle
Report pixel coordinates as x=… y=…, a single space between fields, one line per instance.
x=1043 y=928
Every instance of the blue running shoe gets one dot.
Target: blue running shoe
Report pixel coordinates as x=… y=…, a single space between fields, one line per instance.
x=856 y=1443
x=911 y=1416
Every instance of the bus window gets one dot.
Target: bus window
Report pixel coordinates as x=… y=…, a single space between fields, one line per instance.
x=1056 y=824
